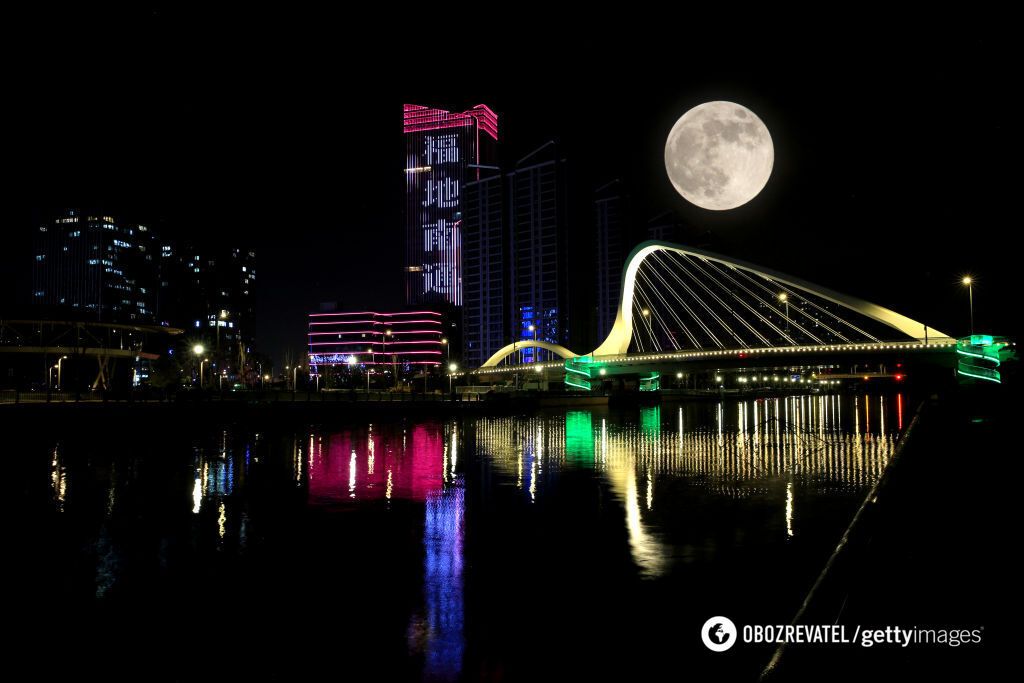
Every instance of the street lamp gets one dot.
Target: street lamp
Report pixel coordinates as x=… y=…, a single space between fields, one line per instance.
x=59 y=361
x=394 y=368
x=533 y=329
x=223 y=315
x=204 y=361
x=294 y=370
x=647 y=316
x=198 y=350
x=970 y=295
x=452 y=367
x=785 y=299
x=448 y=348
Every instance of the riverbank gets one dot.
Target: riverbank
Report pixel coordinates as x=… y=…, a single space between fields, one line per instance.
x=927 y=553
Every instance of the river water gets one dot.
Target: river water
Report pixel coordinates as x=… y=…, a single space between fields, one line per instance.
x=572 y=543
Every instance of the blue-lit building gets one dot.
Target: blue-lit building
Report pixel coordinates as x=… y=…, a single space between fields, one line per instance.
x=538 y=229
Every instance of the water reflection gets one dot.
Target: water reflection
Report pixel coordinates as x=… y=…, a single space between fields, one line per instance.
x=663 y=467
x=375 y=462
x=734 y=450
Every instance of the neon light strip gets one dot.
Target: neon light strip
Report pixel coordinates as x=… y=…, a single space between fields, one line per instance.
x=376 y=333
x=388 y=363
x=363 y=321
x=578 y=386
x=372 y=313
x=990 y=359
x=420 y=118
x=430 y=342
x=973 y=376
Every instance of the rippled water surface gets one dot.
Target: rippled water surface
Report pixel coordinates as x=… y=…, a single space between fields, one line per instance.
x=515 y=548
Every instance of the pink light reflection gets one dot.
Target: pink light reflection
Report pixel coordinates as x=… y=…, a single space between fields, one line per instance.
x=414 y=469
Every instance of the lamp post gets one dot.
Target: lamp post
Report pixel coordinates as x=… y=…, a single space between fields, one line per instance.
x=60 y=384
x=294 y=370
x=198 y=350
x=785 y=299
x=650 y=332
x=203 y=362
x=533 y=329
x=452 y=367
x=970 y=296
x=223 y=315
x=369 y=370
x=394 y=367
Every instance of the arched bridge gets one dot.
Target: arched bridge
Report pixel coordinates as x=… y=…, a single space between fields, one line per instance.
x=681 y=303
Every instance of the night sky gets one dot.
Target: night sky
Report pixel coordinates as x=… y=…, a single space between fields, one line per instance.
x=896 y=166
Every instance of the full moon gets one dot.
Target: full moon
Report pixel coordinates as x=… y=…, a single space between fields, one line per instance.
x=719 y=155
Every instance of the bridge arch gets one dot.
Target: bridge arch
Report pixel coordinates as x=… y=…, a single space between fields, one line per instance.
x=621 y=334
x=506 y=351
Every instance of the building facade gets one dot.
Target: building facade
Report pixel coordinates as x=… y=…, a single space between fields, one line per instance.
x=96 y=267
x=485 y=268
x=211 y=290
x=408 y=341
x=443 y=150
x=538 y=221
x=610 y=221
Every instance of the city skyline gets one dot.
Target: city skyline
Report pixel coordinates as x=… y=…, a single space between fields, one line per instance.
x=852 y=194
x=683 y=348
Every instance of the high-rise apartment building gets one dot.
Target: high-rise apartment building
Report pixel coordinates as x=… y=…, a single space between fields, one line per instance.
x=443 y=152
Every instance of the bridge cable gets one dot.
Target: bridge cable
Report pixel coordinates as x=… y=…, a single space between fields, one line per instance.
x=770 y=305
x=672 y=311
x=680 y=263
x=773 y=294
x=689 y=290
x=705 y=263
x=686 y=306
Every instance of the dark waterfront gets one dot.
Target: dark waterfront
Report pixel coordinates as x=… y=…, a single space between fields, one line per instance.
x=592 y=541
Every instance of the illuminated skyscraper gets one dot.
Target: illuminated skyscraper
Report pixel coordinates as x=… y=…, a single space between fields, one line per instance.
x=538 y=217
x=96 y=267
x=443 y=151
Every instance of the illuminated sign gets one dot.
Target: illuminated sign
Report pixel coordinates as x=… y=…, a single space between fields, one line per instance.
x=440 y=146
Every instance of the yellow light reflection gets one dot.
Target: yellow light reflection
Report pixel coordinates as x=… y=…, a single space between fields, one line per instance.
x=789 y=509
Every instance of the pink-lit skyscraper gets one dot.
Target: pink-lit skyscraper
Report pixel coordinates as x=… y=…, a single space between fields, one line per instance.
x=443 y=151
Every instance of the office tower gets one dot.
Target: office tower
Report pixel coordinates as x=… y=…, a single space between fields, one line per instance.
x=538 y=219
x=92 y=266
x=443 y=151
x=485 y=268
x=610 y=218
x=215 y=293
